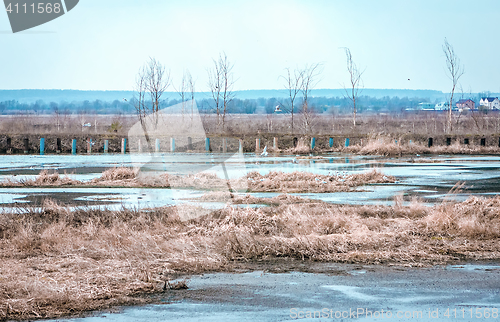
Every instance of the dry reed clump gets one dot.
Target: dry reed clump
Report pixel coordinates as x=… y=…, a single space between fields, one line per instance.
x=387 y=147
x=301 y=148
x=299 y=181
x=272 y=182
x=57 y=261
x=43 y=179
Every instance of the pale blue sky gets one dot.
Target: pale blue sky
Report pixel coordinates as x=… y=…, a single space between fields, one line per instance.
x=101 y=44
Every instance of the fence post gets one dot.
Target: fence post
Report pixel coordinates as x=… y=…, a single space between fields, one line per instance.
x=224 y=145
x=42 y=146
x=73 y=147
x=430 y=142
x=9 y=145
x=124 y=145
x=275 y=143
x=207 y=144
x=466 y=141
x=89 y=145
x=313 y=143
x=257 y=145
x=157 y=145
x=448 y=141
x=240 y=149
x=172 y=144
x=331 y=142
x=139 y=146
x=295 y=142
x=106 y=146
x=346 y=142
x=26 y=145
x=190 y=143
x=58 y=145
x=483 y=141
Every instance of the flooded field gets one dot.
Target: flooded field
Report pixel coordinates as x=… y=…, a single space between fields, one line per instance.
x=372 y=233
x=428 y=178
x=360 y=293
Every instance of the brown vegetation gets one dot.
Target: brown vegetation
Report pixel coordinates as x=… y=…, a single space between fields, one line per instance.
x=298 y=181
x=252 y=182
x=385 y=146
x=56 y=261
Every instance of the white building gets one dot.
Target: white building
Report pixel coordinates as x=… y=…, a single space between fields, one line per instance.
x=492 y=103
x=443 y=106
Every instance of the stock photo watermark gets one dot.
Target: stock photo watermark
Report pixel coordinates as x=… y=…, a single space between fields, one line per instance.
x=27 y=14
x=429 y=313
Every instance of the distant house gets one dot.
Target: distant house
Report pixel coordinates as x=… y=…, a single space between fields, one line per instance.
x=492 y=103
x=466 y=104
x=443 y=106
x=426 y=106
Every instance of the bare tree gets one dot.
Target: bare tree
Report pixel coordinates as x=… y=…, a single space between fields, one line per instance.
x=309 y=80
x=186 y=92
x=220 y=82
x=355 y=83
x=293 y=85
x=455 y=71
x=152 y=81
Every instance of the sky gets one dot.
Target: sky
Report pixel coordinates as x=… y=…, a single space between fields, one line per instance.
x=102 y=44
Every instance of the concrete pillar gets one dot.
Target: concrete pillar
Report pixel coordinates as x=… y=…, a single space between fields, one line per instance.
x=275 y=143
x=9 y=145
x=190 y=143
x=240 y=149
x=157 y=145
x=26 y=145
x=224 y=145
x=124 y=145
x=42 y=146
x=207 y=144
x=172 y=145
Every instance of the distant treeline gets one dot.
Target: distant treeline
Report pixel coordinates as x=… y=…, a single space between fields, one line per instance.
x=241 y=106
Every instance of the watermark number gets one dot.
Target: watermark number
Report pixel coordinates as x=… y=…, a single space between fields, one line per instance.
x=40 y=8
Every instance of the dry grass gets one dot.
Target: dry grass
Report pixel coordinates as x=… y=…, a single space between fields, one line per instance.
x=298 y=181
x=58 y=261
x=271 y=182
x=386 y=146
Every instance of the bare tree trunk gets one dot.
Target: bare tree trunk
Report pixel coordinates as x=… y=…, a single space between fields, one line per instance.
x=455 y=71
x=355 y=83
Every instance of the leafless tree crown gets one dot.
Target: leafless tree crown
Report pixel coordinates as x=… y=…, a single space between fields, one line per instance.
x=300 y=81
x=151 y=82
x=355 y=83
x=454 y=70
x=221 y=82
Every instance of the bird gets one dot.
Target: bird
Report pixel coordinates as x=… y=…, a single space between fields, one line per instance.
x=264 y=152
x=277 y=108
